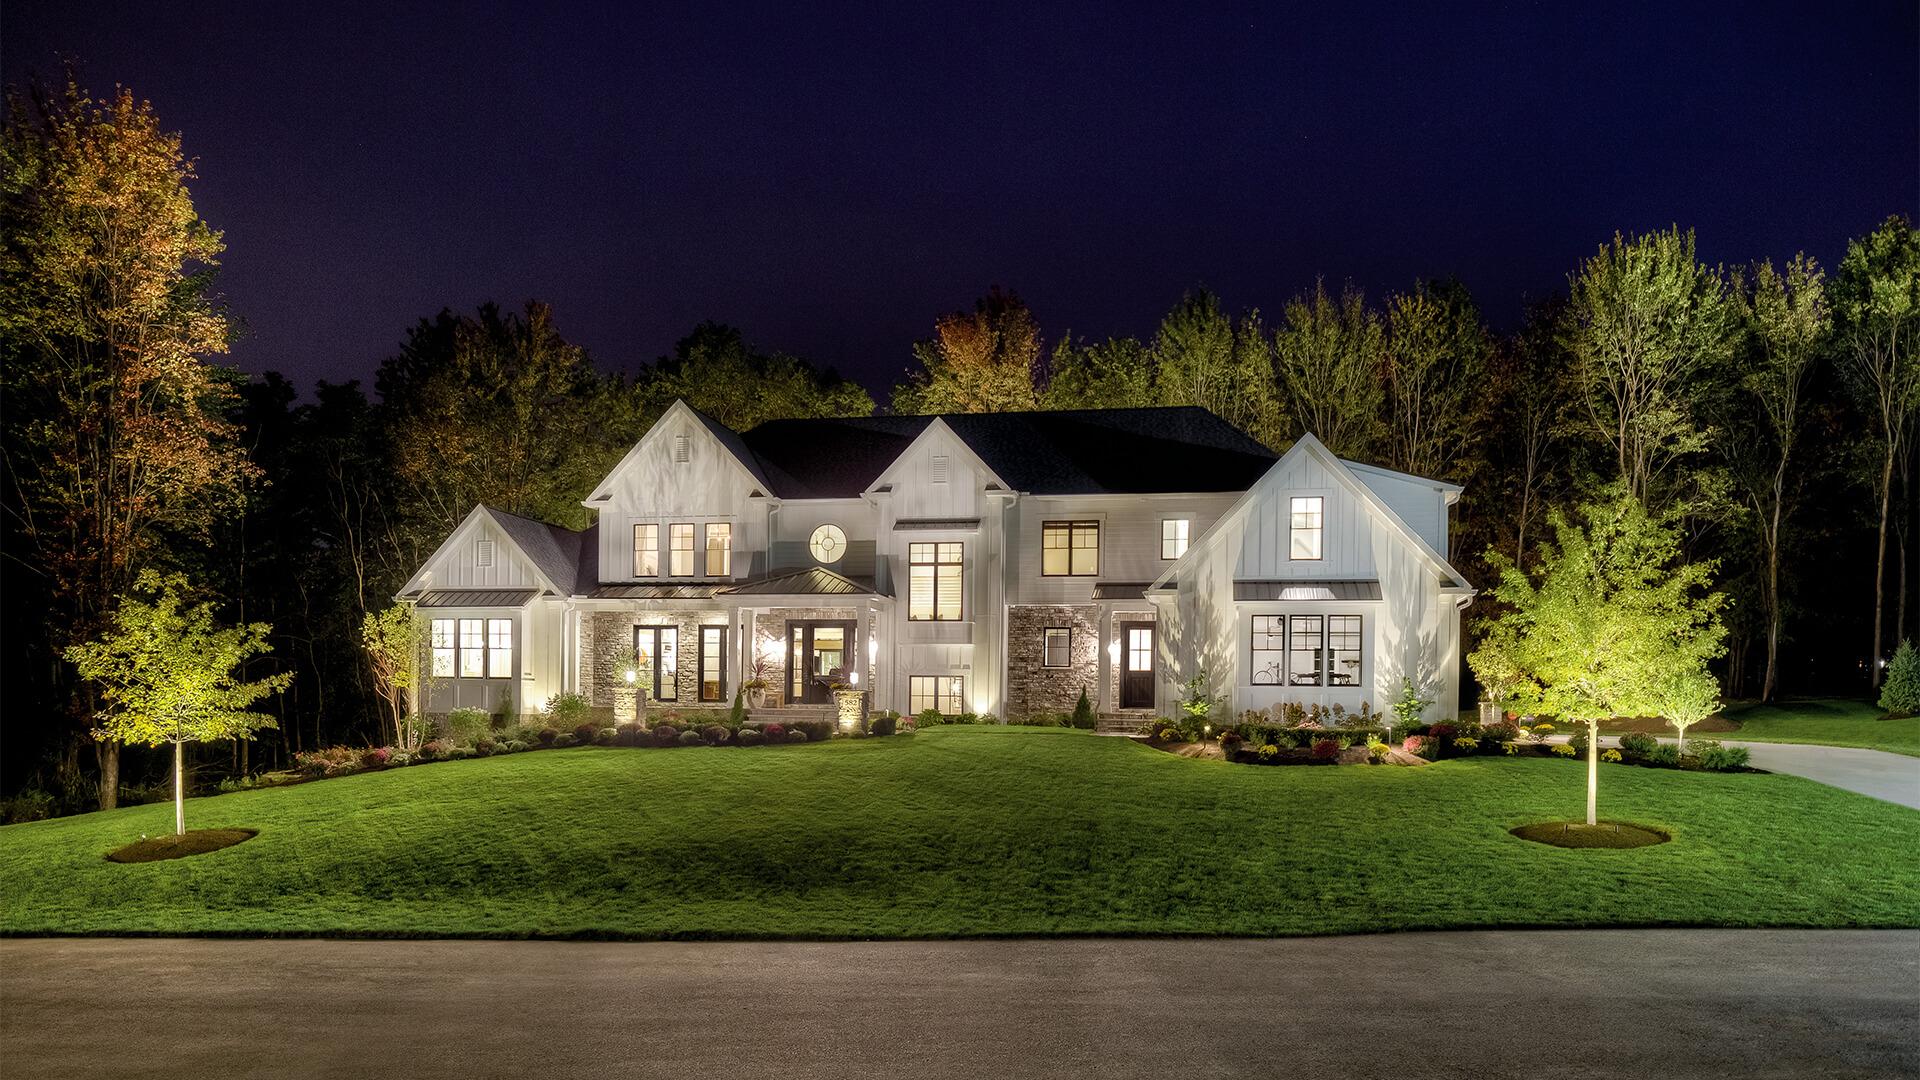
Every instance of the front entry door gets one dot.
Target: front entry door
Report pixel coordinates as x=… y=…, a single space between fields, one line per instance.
x=818 y=655
x=1136 y=665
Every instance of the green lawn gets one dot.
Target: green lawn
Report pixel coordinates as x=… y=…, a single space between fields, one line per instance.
x=968 y=832
x=1832 y=721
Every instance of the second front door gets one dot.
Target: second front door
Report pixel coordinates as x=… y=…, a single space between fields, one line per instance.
x=818 y=655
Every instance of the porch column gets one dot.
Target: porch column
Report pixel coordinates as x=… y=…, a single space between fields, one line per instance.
x=1102 y=703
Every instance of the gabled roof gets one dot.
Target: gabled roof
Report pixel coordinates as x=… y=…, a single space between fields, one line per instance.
x=742 y=457
x=803 y=581
x=554 y=553
x=1308 y=444
x=1067 y=452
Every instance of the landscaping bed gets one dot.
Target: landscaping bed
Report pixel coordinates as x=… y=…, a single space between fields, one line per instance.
x=966 y=831
x=180 y=845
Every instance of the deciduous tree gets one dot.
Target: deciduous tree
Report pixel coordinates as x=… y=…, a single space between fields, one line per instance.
x=1434 y=360
x=984 y=360
x=717 y=372
x=1327 y=353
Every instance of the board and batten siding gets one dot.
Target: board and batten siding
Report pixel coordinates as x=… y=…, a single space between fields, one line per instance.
x=458 y=565
x=652 y=487
x=1129 y=539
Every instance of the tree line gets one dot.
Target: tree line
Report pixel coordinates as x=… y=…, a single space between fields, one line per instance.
x=1767 y=411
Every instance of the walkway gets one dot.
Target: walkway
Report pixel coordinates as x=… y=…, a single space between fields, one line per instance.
x=1893 y=777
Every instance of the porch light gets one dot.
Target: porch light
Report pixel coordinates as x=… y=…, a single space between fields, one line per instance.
x=853 y=678
x=631 y=675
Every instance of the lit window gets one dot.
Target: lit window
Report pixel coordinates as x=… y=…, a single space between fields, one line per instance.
x=1070 y=548
x=943 y=693
x=646 y=551
x=1269 y=650
x=680 y=555
x=1305 y=526
x=443 y=649
x=713 y=663
x=719 y=550
x=1173 y=537
x=1057 y=647
x=1308 y=645
x=1343 y=650
x=933 y=581
x=473 y=648
x=658 y=648
x=499 y=648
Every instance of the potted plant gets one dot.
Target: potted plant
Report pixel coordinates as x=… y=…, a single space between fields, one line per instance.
x=756 y=684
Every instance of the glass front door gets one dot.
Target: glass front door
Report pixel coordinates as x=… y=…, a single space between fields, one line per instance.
x=818 y=655
x=1136 y=665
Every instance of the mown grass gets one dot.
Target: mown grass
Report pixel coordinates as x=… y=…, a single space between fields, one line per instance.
x=1828 y=721
x=968 y=832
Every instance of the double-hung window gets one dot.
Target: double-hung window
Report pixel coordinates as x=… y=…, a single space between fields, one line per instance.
x=1056 y=647
x=934 y=580
x=472 y=648
x=680 y=550
x=1305 y=648
x=944 y=693
x=1069 y=548
x=1174 y=535
x=1269 y=650
x=646 y=551
x=1306 y=524
x=719 y=549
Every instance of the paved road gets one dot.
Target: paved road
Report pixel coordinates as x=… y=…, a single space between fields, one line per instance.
x=1893 y=777
x=1602 y=1003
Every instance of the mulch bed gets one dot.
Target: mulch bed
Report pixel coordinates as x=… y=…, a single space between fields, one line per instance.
x=194 y=842
x=1578 y=834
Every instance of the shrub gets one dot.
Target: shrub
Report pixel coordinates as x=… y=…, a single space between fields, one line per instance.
x=376 y=758
x=1501 y=731
x=400 y=759
x=630 y=733
x=1326 y=749
x=714 y=734
x=1230 y=743
x=665 y=734
x=690 y=738
x=1512 y=749
x=886 y=724
x=1638 y=743
x=606 y=736
x=1414 y=744
x=749 y=737
x=1717 y=758
x=775 y=732
x=817 y=730
x=1665 y=756
x=32 y=804
x=1377 y=751
x=1444 y=731
x=929 y=718
x=796 y=735
x=1268 y=753
x=562 y=740
x=1613 y=756
x=567 y=711
x=1082 y=717
x=483 y=747
x=1564 y=750
x=1540 y=731
x=584 y=733
x=549 y=736
x=513 y=746
x=1039 y=719
x=1578 y=740
x=1901 y=694
x=464 y=727
x=737 y=715
x=460 y=753
x=1465 y=744
x=436 y=750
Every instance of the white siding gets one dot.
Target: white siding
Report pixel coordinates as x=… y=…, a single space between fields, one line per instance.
x=458 y=566
x=1346 y=543
x=1418 y=503
x=652 y=487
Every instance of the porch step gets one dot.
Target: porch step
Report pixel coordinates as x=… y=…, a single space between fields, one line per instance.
x=1121 y=725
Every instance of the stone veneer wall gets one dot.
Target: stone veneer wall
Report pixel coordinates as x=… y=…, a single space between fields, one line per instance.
x=770 y=640
x=608 y=633
x=1032 y=687
x=1113 y=673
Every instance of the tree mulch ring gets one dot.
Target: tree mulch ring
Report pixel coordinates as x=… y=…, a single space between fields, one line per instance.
x=194 y=842
x=1579 y=834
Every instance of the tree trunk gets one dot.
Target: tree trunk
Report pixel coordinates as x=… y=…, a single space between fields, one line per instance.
x=1593 y=772
x=1769 y=681
x=1880 y=573
x=179 y=789
x=108 y=754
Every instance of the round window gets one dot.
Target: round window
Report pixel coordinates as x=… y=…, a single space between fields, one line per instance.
x=828 y=543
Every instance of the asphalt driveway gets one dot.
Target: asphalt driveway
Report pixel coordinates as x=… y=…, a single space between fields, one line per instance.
x=1876 y=773
x=1602 y=1003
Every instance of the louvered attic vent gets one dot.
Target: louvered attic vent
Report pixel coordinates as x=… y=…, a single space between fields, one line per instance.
x=939 y=468
x=682 y=449
x=483 y=553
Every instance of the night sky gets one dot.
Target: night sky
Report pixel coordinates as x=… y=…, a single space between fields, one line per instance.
x=830 y=184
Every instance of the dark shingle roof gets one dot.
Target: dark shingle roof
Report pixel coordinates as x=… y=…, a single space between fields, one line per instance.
x=556 y=551
x=1071 y=452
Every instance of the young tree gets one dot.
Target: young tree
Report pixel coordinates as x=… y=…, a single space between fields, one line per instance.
x=1610 y=617
x=1687 y=695
x=1901 y=694
x=115 y=438
x=1435 y=367
x=1876 y=314
x=1648 y=328
x=391 y=640
x=984 y=360
x=166 y=671
x=1787 y=324
x=1327 y=354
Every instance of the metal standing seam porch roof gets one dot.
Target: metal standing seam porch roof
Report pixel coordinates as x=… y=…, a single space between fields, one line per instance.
x=452 y=598
x=1301 y=589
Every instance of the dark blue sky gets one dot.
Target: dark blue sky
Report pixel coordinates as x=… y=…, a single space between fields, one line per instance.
x=831 y=183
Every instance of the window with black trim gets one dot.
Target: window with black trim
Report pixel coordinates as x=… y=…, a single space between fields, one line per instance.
x=1306 y=644
x=934 y=577
x=1343 y=650
x=944 y=693
x=713 y=663
x=658 y=648
x=646 y=550
x=719 y=549
x=1056 y=647
x=680 y=550
x=1306 y=523
x=472 y=648
x=1069 y=548
x=1269 y=665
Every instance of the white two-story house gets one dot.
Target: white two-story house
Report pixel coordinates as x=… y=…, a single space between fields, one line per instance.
x=987 y=563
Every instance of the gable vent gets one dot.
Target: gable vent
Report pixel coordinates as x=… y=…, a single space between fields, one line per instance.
x=483 y=553
x=939 y=468
x=682 y=448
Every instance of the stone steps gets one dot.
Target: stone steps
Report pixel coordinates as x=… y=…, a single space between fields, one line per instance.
x=1120 y=725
